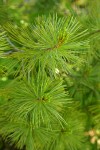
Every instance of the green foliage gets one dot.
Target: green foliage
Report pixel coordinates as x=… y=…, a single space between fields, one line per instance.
x=55 y=40
x=3 y=41
x=85 y=86
x=50 y=75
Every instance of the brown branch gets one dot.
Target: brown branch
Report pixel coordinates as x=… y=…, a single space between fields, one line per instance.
x=58 y=45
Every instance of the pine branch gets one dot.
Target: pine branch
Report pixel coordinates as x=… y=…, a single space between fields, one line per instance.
x=56 y=40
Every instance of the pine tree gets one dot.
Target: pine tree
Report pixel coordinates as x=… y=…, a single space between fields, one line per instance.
x=51 y=98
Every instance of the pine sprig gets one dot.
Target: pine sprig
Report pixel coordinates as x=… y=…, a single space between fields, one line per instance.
x=54 y=41
x=40 y=101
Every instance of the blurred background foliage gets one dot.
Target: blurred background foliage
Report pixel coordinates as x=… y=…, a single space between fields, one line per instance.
x=84 y=83
x=24 y=11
